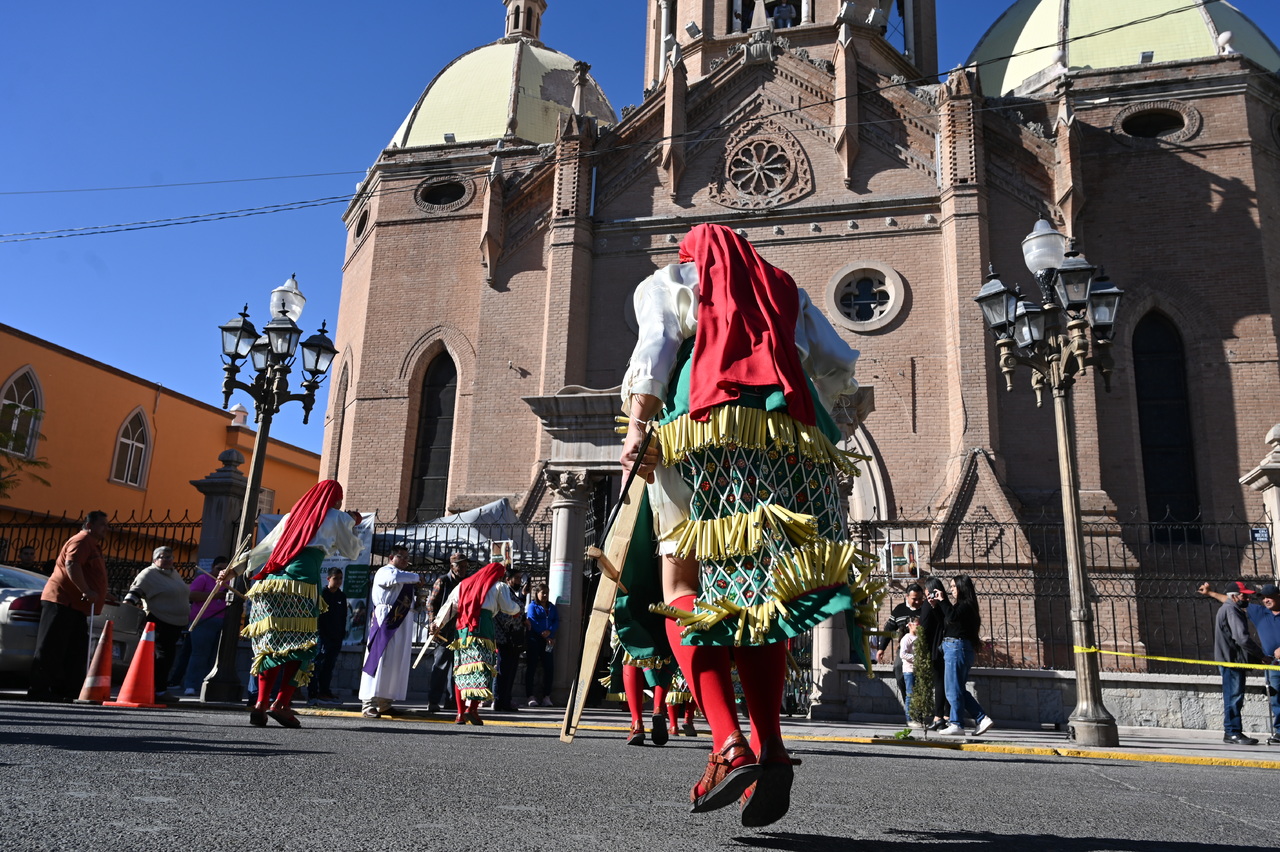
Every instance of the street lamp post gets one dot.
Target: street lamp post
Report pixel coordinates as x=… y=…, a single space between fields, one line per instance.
x=272 y=358
x=1034 y=335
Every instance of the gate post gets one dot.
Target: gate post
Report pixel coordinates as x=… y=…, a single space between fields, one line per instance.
x=1265 y=478
x=223 y=492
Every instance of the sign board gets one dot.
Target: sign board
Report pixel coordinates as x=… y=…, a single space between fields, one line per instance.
x=1260 y=534
x=500 y=551
x=901 y=560
x=560 y=583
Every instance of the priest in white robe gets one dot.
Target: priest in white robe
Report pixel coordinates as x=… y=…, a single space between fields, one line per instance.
x=384 y=678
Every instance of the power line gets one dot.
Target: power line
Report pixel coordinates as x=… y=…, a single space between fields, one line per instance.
x=703 y=136
x=169 y=185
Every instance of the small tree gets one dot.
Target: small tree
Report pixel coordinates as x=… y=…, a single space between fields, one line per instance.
x=16 y=423
x=920 y=702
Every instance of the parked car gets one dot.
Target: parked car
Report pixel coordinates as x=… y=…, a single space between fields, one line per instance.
x=20 y=617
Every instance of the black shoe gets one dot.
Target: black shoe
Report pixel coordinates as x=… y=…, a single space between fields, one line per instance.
x=1239 y=739
x=1274 y=739
x=659 y=730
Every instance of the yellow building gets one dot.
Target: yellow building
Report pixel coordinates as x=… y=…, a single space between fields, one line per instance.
x=120 y=443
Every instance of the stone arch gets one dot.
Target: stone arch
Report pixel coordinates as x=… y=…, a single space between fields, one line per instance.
x=28 y=395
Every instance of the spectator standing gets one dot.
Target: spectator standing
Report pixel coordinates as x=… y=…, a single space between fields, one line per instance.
x=442 y=657
x=784 y=15
x=543 y=622
x=385 y=676
x=27 y=559
x=1233 y=644
x=896 y=628
x=76 y=590
x=202 y=642
x=930 y=631
x=1266 y=620
x=332 y=625
x=907 y=662
x=510 y=633
x=961 y=626
x=160 y=590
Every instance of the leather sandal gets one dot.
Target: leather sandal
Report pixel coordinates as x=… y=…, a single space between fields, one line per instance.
x=635 y=737
x=473 y=716
x=659 y=732
x=721 y=784
x=285 y=716
x=768 y=800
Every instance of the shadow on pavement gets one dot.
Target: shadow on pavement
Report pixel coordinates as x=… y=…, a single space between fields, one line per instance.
x=969 y=841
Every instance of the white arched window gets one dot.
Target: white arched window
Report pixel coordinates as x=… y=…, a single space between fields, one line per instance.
x=20 y=414
x=133 y=451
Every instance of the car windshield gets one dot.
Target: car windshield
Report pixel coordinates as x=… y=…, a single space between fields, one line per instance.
x=16 y=578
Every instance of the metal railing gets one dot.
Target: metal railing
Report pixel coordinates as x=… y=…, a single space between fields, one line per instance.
x=127 y=548
x=1143 y=579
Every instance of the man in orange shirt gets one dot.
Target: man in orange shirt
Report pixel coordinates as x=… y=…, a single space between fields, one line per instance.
x=77 y=589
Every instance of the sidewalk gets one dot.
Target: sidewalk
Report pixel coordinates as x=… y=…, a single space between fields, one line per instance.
x=1156 y=745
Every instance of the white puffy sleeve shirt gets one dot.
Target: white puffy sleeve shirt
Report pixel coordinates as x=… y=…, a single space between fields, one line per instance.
x=336 y=536
x=666 y=306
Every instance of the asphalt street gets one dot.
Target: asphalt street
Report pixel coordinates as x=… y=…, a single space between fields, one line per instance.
x=93 y=778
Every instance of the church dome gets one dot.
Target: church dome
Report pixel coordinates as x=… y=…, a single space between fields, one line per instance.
x=1183 y=31
x=477 y=95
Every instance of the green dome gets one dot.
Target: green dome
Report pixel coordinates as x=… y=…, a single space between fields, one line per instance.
x=1185 y=31
x=476 y=96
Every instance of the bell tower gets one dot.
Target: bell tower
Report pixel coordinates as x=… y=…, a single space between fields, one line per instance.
x=706 y=29
x=524 y=17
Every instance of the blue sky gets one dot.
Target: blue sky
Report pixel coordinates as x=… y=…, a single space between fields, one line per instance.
x=141 y=93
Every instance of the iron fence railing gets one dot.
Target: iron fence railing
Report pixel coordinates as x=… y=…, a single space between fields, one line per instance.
x=1142 y=581
x=127 y=548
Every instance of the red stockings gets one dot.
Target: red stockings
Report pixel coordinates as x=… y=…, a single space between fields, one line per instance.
x=706 y=669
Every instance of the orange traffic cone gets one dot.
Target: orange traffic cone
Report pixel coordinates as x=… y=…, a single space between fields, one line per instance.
x=97 y=683
x=139 y=689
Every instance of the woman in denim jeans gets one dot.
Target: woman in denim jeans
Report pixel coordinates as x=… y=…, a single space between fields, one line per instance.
x=960 y=635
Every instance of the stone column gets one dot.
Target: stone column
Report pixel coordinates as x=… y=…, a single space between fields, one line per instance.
x=223 y=492
x=828 y=700
x=568 y=546
x=1265 y=478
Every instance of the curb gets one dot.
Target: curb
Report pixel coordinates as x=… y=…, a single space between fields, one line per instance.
x=978 y=748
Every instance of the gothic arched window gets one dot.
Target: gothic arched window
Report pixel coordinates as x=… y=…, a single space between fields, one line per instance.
x=1164 y=421
x=133 y=446
x=430 y=487
x=20 y=414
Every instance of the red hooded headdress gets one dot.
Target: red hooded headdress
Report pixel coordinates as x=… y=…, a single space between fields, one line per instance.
x=472 y=590
x=746 y=336
x=304 y=520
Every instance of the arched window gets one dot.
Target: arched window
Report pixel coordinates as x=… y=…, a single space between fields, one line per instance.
x=435 y=440
x=132 y=451
x=20 y=414
x=1164 y=421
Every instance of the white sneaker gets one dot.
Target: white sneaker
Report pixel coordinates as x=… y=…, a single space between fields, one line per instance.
x=533 y=702
x=985 y=725
x=951 y=731
x=914 y=724
x=546 y=702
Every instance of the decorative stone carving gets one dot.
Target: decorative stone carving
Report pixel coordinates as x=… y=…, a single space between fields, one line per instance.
x=762 y=166
x=567 y=484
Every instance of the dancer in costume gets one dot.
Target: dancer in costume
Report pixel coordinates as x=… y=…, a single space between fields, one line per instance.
x=627 y=681
x=384 y=677
x=471 y=605
x=736 y=371
x=286 y=598
x=680 y=703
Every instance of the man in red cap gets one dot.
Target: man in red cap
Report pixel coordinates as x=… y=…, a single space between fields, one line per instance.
x=1266 y=620
x=1232 y=644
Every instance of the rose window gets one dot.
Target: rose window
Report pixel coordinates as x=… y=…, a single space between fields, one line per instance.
x=760 y=168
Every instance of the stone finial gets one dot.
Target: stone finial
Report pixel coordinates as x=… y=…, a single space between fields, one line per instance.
x=760 y=19
x=239 y=417
x=524 y=17
x=580 y=70
x=231 y=459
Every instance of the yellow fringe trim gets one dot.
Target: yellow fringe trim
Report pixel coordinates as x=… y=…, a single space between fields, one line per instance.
x=644 y=662
x=477 y=694
x=742 y=533
x=292 y=625
x=754 y=429
x=471 y=668
x=459 y=644
x=820 y=564
x=279 y=585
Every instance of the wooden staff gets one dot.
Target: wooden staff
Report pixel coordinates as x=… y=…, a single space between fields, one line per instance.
x=618 y=541
x=241 y=558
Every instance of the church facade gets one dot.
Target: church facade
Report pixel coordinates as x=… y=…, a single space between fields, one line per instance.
x=493 y=248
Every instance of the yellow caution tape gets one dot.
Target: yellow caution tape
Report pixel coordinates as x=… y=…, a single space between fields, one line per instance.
x=1079 y=650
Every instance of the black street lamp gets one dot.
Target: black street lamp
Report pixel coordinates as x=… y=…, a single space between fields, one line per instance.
x=1033 y=335
x=271 y=356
